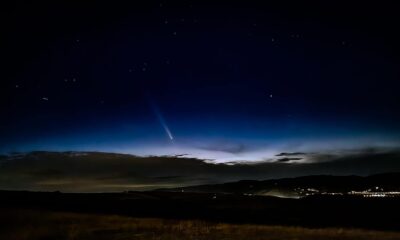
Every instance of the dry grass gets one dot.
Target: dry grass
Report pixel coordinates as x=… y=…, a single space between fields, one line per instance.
x=24 y=224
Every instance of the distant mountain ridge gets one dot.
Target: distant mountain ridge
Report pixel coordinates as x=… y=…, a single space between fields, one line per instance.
x=295 y=187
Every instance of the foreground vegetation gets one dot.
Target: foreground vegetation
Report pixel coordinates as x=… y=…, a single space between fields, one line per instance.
x=33 y=224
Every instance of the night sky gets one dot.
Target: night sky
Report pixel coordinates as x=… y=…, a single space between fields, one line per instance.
x=225 y=82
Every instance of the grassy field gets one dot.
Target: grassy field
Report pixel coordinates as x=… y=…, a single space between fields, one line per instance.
x=32 y=224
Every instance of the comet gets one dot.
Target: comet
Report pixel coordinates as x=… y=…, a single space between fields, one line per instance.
x=162 y=121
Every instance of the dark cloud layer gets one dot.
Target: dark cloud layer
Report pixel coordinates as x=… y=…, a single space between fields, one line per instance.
x=289 y=154
x=287 y=159
x=98 y=172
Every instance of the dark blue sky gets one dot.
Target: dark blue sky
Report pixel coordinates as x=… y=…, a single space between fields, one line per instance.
x=238 y=81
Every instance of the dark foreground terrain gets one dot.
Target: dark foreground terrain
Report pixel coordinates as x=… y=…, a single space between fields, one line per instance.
x=34 y=224
x=169 y=215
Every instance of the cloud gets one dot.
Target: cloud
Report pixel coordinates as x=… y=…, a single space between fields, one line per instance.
x=106 y=172
x=225 y=146
x=289 y=159
x=290 y=154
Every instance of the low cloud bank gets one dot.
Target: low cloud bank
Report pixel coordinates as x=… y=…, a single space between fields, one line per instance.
x=105 y=172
